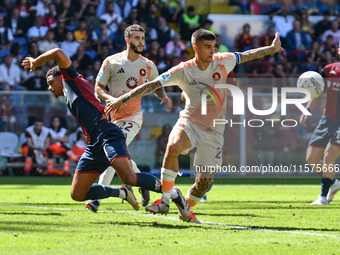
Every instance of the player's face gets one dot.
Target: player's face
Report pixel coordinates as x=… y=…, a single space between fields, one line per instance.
x=38 y=126
x=205 y=50
x=137 y=41
x=55 y=85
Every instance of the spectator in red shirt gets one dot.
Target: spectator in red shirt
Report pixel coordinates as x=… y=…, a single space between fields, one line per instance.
x=50 y=20
x=243 y=39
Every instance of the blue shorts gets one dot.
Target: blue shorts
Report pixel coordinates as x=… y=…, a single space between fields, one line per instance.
x=327 y=131
x=107 y=144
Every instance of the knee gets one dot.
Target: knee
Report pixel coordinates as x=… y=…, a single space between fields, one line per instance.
x=76 y=196
x=328 y=158
x=173 y=150
x=310 y=159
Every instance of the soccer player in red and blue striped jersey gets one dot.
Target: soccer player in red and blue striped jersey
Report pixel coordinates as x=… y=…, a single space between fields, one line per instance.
x=325 y=140
x=107 y=145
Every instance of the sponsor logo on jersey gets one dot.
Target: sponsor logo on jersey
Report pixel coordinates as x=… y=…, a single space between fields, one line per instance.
x=142 y=72
x=121 y=71
x=209 y=91
x=100 y=75
x=131 y=83
x=216 y=76
x=332 y=72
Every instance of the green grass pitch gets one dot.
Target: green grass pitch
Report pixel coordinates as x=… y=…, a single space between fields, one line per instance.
x=241 y=216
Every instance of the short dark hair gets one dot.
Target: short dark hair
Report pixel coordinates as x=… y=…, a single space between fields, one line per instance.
x=202 y=34
x=37 y=119
x=128 y=31
x=326 y=13
x=190 y=8
x=54 y=71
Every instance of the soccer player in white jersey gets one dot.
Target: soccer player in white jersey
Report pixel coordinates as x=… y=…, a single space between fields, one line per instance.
x=123 y=72
x=196 y=76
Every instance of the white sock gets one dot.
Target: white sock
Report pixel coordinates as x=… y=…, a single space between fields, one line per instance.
x=168 y=176
x=106 y=178
x=193 y=198
x=122 y=194
x=134 y=167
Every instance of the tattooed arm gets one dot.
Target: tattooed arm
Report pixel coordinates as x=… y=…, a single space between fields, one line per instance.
x=162 y=95
x=142 y=90
x=261 y=52
x=146 y=88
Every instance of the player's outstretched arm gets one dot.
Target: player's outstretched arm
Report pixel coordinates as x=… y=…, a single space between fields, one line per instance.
x=54 y=54
x=145 y=89
x=261 y=52
x=163 y=96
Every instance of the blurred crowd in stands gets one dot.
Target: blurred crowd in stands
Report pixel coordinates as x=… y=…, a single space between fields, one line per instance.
x=90 y=30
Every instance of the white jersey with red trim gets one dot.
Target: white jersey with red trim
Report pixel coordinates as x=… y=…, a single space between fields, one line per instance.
x=194 y=82
x=122 y=75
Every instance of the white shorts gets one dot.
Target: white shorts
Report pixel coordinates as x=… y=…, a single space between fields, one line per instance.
x=209 y=145
x=130 y=126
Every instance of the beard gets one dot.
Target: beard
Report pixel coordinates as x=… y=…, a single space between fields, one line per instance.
x=134 y=48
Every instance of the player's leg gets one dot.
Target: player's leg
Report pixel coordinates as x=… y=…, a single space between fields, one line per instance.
x=113 y=148
x=313 y=158
x=332 y=152
x=208 y=156
x=90 y=166
x=177 y=143
x=130 y=130
x=201 y=186
x=204 y=198
x=329 y=185
x=315 y=150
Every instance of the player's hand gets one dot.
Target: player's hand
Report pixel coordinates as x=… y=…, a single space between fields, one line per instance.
x=29 y=63
x=168 y=101
x=277 y=42
x=303 y=119
x=113 y=105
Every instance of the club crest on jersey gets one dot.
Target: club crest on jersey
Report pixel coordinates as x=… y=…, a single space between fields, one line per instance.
x=181 y=125
x=142 y=72
x=131 y=83
x=216 y=76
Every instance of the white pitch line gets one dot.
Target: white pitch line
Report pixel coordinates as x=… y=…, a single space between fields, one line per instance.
x=174 y=218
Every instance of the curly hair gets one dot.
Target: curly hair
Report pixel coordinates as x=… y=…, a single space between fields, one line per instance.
x=54 y=71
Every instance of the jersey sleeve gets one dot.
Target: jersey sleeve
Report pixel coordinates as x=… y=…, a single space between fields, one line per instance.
x=104 y=74
x=229 y=60
x=69 y=73
x=154 y=72
x=170 y=78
